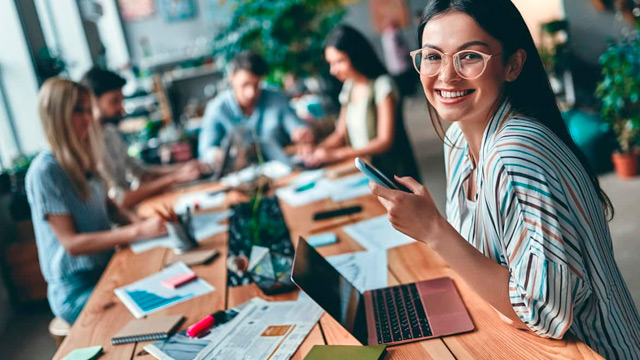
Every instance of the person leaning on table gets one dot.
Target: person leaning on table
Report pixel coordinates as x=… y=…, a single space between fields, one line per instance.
x=370 y=121
x=526 y=219
x=130 y=180
x=69 y=206
x=252 y=106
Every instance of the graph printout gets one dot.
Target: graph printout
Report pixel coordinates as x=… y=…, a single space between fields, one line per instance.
x=148 y=295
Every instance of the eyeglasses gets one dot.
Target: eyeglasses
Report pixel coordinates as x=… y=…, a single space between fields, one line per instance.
x=469 y=64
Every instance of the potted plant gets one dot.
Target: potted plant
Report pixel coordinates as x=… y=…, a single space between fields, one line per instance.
x=5 y=182
x=19 y=206
x=288 y=33
x=619 y=93
x=260 y=248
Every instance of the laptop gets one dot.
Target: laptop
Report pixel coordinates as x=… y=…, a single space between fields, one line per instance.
x=392 y=315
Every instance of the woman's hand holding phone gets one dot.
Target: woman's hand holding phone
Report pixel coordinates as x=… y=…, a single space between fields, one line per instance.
x=378 y=176
x=414 y=214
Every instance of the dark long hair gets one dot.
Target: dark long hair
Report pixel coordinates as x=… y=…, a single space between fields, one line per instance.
x=531 y=93
x=350 y=41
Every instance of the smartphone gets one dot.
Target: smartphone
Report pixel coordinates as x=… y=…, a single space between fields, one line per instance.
x=377 y=176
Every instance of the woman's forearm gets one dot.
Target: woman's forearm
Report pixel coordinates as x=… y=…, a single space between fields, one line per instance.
x=147 y=189
x=89 y=243
x=92 y=242
x=335 y=140
x=487 y=278
x=375 y=147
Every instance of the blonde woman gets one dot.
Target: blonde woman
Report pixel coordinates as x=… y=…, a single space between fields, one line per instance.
x=71 y=213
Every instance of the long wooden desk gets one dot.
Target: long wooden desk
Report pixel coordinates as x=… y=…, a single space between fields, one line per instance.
x=104 y=314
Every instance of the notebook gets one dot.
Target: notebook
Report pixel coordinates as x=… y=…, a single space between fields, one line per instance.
x=156 y=328
x=346 y=352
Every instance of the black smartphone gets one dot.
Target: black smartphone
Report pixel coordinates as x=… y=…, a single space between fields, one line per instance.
x=321 y=215
x=376 y=175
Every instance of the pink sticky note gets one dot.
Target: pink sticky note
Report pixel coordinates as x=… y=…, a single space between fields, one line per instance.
x=179 y=280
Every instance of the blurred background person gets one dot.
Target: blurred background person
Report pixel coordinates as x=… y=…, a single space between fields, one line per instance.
x=70 y=209
x=370 y=121
x=396 y=56
x=249 y=105
x=130 y=181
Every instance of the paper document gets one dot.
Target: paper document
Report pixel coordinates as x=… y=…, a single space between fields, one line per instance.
x=307 y=177
x=271 y=169
x=147 y=296
x=349 y=187
x=311 y=186
x=183 y=347
x=204 y=226
x=315 y=191
x=377 y=234
x=208 y=224
x=201 y=200
x=265 y=331
x=365 y=270
x=275 y=169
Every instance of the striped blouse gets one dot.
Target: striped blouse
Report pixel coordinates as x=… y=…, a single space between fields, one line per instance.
x=537 y=213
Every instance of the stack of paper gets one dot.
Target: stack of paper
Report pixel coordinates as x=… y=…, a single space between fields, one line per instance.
x=183 y=347
x=147 y=296
x=204 y=226
x=307 y=187
x=199 y=200
x=295 y=196
x=265 y=331
x=377 y=234
x=271 y=169
x=311 y=186
x=349 y=187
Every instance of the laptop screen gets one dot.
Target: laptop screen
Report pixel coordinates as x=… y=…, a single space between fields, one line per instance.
x=324 y=284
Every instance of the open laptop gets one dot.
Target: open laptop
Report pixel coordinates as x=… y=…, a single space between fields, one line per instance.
x=392 y=315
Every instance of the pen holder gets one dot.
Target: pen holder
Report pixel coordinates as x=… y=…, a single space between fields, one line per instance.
x=183 y=238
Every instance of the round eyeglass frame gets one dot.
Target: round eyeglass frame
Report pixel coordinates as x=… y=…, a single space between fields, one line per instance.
x=486 y=58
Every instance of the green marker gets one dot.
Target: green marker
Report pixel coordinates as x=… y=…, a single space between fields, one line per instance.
x=308 y=186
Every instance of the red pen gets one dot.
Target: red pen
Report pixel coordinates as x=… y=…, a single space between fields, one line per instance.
x=207 y=322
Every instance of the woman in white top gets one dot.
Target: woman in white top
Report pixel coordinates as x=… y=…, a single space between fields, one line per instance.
x=370 y=121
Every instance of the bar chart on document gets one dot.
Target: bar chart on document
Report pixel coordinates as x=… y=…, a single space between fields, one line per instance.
x=148 y=295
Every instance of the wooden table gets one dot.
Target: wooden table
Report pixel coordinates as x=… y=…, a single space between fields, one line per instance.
x=104 y=314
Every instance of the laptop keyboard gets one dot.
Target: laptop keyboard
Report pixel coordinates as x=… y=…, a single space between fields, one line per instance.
x=399 y=314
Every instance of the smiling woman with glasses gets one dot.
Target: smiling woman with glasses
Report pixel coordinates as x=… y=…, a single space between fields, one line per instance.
x=526 y=219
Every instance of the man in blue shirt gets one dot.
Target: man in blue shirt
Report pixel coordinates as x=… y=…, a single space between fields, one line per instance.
x=262 y=113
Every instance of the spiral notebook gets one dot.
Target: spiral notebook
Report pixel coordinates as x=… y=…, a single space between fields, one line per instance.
x=156 y=328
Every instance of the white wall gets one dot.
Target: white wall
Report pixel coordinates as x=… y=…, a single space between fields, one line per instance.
x=537 y=12
x=590 y=29
x=166 y=37
x=71 y=37
x=112 y=35
x=19 y=83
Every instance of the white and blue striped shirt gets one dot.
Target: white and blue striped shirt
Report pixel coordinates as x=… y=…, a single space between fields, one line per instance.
x=537 y=213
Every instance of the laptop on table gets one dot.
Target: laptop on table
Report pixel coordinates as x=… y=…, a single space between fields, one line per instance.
x=392 y=315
